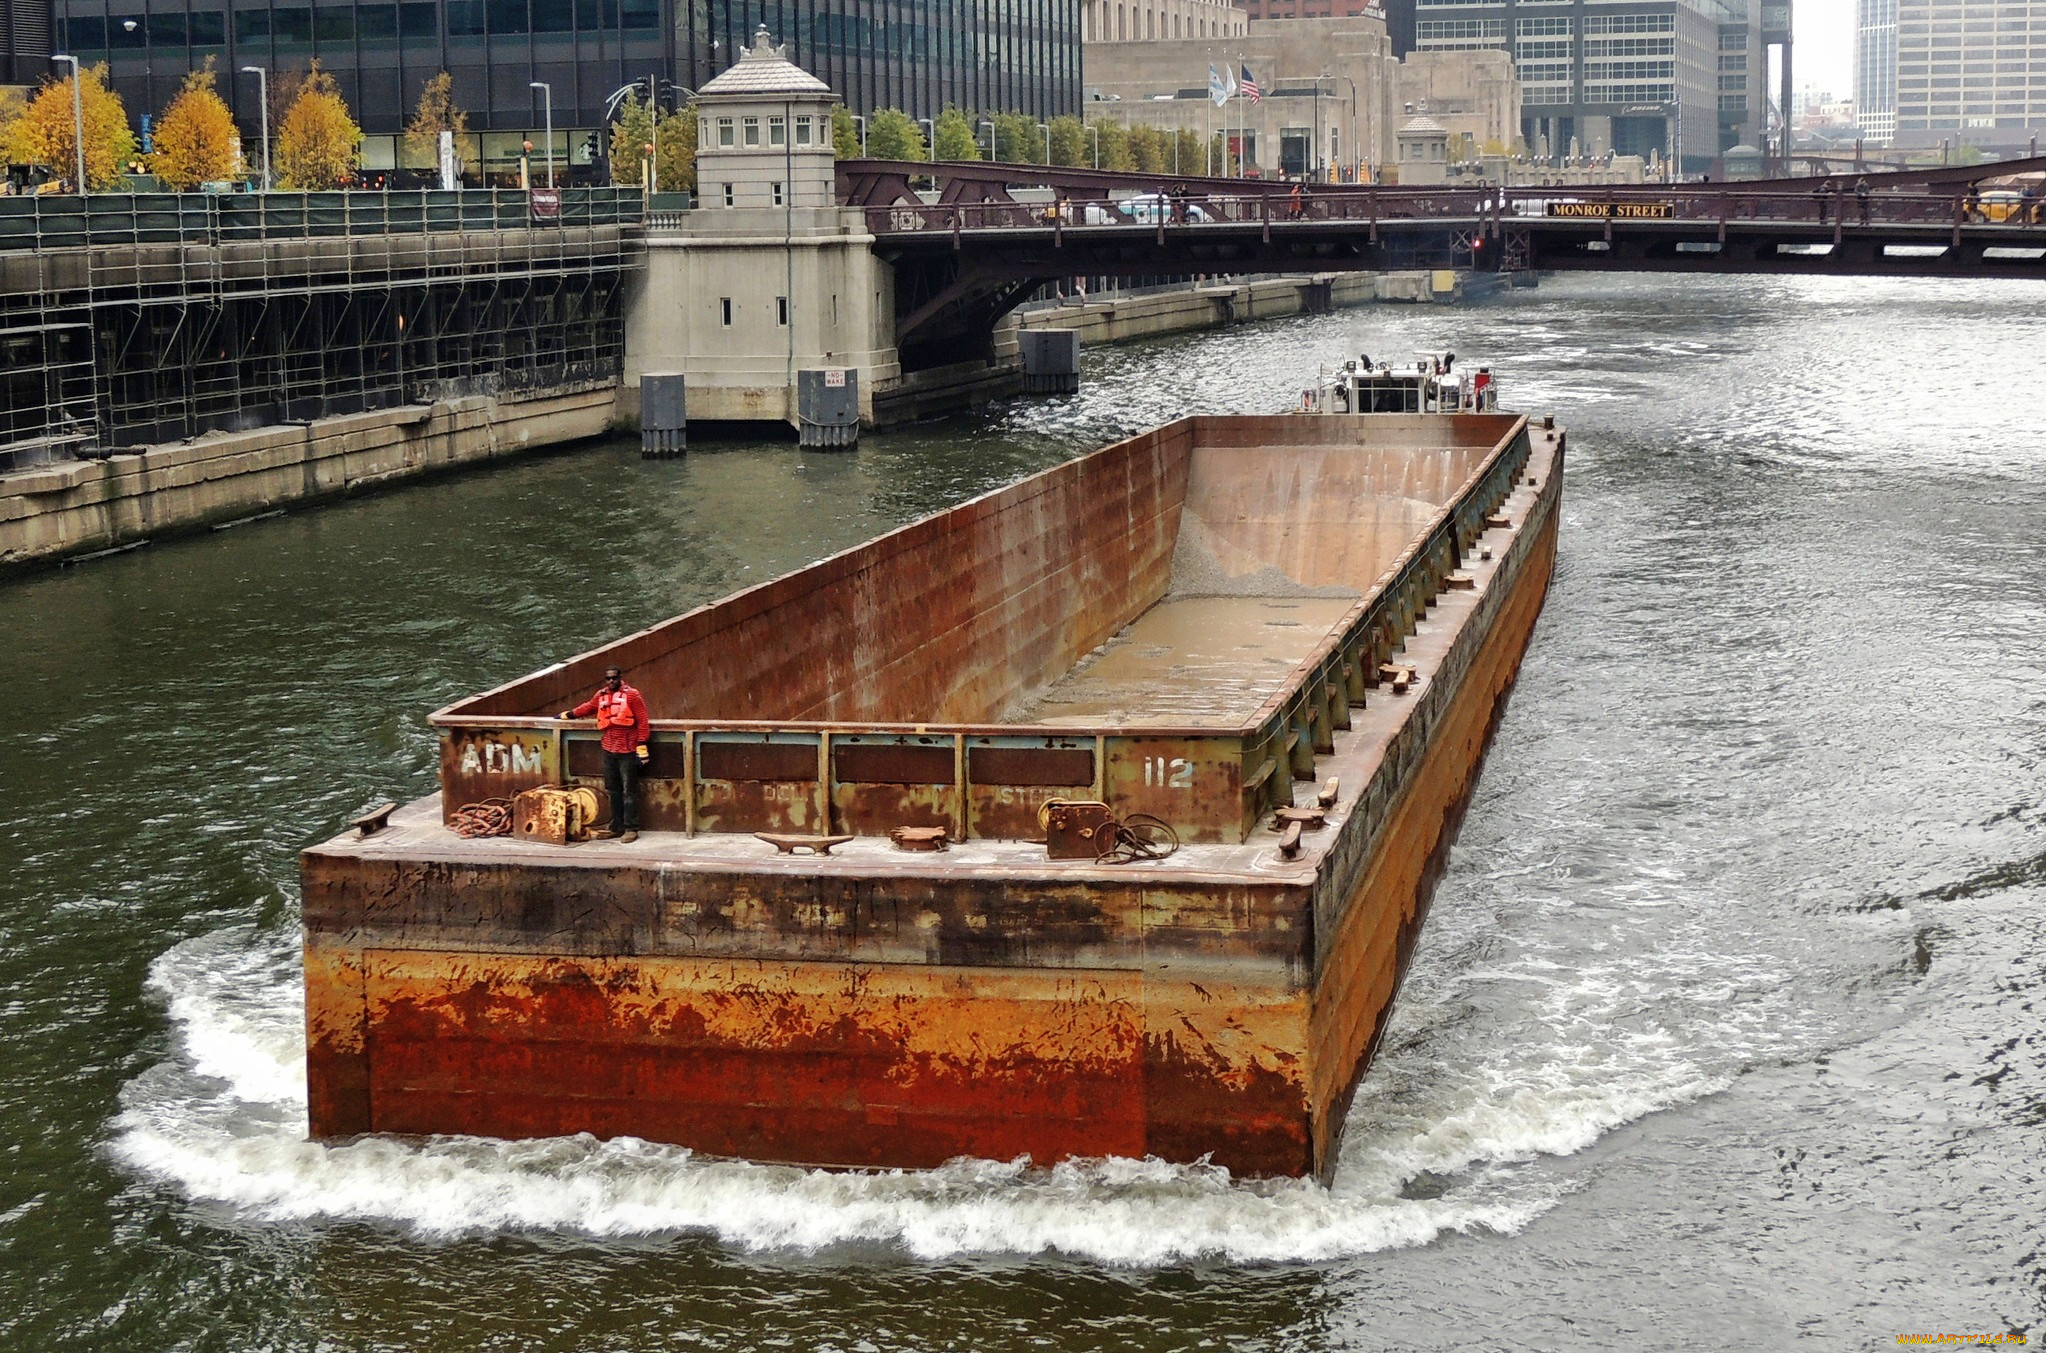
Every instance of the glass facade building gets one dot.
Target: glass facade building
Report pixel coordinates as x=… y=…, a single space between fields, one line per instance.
x=25 y=32
x=1875 y=70
x=918 y=55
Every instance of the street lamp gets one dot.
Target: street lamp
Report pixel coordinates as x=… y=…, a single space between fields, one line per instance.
x=263 y=102
x=861 y=124
x=1045 y=127
x=930 y=137
x=77 y=115
x=990 y=137
x=548 y=90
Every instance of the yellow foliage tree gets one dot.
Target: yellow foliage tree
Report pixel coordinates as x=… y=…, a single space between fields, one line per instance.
x=634 y=131
x=45 y=133
x=196 y=141
x=12 y=105
x=318 y=143
x=437 y=112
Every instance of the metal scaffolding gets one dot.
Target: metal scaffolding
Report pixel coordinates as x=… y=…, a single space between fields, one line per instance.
x=136 y=319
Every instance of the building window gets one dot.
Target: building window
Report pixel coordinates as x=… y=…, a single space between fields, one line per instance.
x=725 y=133
x=781 y=311
x=777 y=194
x=777 y=131
x=729 y=200
x=752 y=129
x=725 y=309
x=802 y=131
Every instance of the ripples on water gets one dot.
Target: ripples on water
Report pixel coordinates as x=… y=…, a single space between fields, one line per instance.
x=1722 y=1027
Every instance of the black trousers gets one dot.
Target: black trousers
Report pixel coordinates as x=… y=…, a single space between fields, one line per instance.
x=621 y=782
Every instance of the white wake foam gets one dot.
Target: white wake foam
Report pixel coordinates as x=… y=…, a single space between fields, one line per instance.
x=223 y=1120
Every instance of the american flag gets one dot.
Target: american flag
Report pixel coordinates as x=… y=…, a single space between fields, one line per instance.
x=1249 y=86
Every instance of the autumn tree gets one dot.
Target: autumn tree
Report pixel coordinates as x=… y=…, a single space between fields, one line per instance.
x=891 y=135
x=845 y=134
x=13 y=103
x=437 y=112
x=318 y=142
x=955 y=137
x=196 y=139
x=634 y=131
x=45 y=134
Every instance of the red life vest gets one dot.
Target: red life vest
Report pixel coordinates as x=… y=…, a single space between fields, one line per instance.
x=614 y=709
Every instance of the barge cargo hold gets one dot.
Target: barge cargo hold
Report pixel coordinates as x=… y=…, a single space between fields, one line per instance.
x=1197 y=623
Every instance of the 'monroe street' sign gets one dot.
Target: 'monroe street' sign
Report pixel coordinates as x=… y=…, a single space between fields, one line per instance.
x=1639 y=211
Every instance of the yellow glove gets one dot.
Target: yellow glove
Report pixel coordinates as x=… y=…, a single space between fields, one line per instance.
x=644 y=754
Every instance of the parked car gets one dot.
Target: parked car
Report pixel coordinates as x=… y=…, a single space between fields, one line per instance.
x=1151 y=208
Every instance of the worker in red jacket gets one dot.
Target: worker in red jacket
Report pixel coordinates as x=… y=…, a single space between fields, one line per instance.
x=621 y=715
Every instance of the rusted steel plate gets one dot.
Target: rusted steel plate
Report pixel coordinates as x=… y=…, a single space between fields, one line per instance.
x=756 y=760
x=821 y=1064
x=892 y=764
x=666 y=759
x=1066 y=767
x=477 y=764
x=1193 y=783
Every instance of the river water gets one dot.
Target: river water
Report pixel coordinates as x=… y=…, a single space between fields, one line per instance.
x=1725 y=1030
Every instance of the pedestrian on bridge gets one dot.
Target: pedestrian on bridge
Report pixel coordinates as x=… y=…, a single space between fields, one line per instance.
x=1823 y=195
x=1861 y=197
x=622 y=718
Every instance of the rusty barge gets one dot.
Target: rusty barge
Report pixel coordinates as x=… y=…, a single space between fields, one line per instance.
x=1199 y=623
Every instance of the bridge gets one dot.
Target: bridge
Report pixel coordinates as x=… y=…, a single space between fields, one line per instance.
x=966 y=255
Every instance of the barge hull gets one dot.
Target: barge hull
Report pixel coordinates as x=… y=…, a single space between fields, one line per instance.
x=875 y=1009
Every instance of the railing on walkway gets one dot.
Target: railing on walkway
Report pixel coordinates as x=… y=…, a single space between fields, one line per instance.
x=54 y=221
x=1709 y=204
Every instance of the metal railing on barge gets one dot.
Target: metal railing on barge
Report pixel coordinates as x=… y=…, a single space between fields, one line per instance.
x=989 y=781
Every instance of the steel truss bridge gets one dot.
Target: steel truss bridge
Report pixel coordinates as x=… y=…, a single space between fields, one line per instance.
x=965 y=259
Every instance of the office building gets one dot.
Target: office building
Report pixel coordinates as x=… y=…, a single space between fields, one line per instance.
x=1875 y=69
x=1149 y=20
x=918 y=55
x=25 y=32
x=1967 y=72
x=1631 y=77
x=1325 y=105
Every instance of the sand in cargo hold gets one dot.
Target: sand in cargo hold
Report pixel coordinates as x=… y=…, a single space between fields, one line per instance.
x=1207 y=654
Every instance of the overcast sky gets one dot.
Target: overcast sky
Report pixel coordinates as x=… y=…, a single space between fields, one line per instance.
x=1822 y=45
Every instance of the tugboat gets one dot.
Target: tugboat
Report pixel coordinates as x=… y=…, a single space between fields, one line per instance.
x=1430 y=384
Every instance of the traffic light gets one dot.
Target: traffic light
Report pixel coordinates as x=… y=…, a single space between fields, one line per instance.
x=590 y=149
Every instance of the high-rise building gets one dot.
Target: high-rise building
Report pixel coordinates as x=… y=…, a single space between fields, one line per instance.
x=1398 y=15
x=1967 y=72
x=1161 y=20
x=25 y=31
x=917 y=55
x=1628 y=76
x=1875 y=69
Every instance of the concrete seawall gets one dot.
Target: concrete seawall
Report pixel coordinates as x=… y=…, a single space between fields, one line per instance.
x=82 y=507
x=1120 y=318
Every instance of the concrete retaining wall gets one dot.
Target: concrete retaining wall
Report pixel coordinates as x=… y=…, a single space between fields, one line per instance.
x=85 y=506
